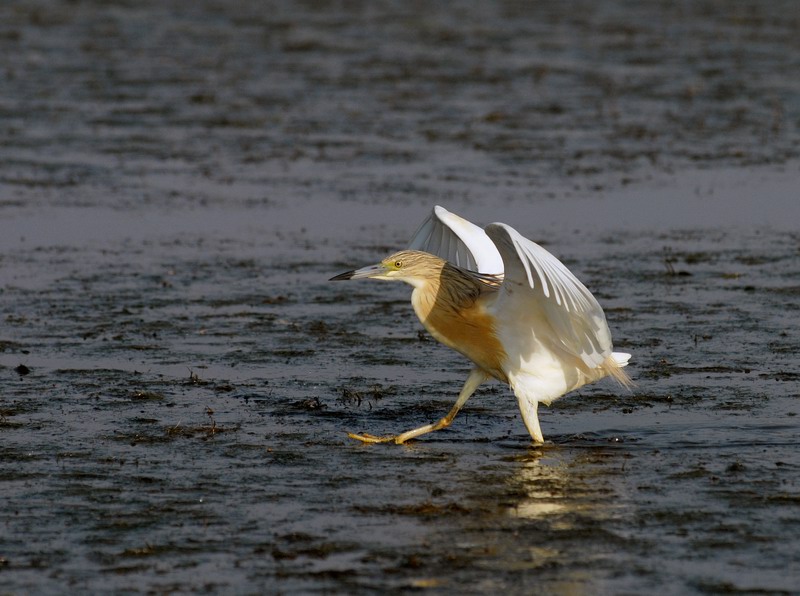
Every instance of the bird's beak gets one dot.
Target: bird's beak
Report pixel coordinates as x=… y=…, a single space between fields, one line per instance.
x=371 y=271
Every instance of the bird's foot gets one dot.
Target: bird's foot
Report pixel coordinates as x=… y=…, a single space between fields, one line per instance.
x=367 y=438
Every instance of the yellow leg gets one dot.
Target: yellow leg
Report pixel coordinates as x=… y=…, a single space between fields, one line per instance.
x=475 y=378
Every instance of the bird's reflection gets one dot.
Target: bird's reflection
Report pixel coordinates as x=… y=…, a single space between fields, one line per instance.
x=542 y=480
x=564 y=485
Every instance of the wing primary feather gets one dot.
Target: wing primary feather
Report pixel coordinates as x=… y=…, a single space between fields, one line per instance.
x=578 y=321
x=459 y=241
x=421 y=236
x=438 y=234
x=533 y=261
x=447 y=248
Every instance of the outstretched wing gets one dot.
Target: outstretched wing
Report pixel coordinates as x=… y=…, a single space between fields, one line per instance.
x=535 y=279
x=458 y=241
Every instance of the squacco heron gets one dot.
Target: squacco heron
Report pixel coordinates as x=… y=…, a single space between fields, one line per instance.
x=509 y=306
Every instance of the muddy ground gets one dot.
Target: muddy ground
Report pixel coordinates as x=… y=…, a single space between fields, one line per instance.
x=177 y=375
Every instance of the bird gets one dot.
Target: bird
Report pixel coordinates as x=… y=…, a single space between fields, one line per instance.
x=509 y=306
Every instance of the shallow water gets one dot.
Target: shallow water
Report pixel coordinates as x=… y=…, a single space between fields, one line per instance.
x=176 y=187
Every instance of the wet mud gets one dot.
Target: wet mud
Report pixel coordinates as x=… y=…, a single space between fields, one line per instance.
x=177 y=375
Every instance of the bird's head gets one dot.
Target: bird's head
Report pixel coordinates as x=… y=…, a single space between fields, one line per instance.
x=411 y=266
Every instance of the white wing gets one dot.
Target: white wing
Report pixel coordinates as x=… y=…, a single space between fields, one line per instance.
x=458 y=241
x=578 y=321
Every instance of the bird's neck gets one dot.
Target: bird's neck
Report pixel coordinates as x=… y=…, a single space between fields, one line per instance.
x=448 y=293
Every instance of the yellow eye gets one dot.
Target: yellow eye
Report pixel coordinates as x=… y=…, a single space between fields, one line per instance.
x=398 y=264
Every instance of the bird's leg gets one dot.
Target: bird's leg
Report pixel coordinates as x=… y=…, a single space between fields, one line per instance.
x=475 y=378
x=530 y=416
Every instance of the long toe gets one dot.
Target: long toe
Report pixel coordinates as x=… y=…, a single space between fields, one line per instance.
x=367 y=438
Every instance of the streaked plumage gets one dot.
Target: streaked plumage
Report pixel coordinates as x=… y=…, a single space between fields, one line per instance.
x=520 y=315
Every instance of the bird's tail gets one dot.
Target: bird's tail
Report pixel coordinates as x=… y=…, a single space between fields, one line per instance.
x=612 y=366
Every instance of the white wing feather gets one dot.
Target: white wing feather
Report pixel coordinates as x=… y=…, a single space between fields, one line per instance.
x=458 y=241
x=578 y=321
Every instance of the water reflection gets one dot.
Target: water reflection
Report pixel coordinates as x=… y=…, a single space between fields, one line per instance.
x=562 y=500
x=543 y=480
x=569 y=484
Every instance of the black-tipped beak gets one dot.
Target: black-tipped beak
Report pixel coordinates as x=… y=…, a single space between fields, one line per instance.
x=371 y=271
x=341 y=276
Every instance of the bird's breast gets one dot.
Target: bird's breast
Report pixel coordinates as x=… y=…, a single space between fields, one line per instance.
x=469 y=330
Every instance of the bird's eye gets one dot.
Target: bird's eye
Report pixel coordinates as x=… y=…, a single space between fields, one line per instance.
x=398 y=264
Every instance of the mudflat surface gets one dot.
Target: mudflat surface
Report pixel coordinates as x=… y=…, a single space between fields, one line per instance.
x=177 y=374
